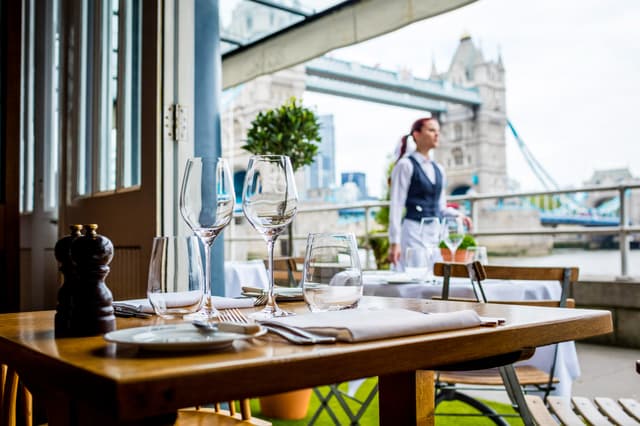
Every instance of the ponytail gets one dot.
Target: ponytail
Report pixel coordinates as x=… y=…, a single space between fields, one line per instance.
x=403 y=146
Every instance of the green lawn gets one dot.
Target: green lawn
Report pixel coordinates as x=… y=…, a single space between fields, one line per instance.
x=370 y=417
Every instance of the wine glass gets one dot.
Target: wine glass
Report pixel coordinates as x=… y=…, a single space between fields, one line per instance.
x=270 y=201
x=206 y=204
x=430 y=231
x=453 y=232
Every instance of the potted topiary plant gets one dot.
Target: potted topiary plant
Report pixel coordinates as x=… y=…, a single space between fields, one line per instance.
x=461 y=253
x=290 y=129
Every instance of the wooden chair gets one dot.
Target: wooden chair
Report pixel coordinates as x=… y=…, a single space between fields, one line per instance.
x=515 y=380
x=15 y=400
x=198 y=416
x=580 y=410
x=16 y=408
x=285 y=272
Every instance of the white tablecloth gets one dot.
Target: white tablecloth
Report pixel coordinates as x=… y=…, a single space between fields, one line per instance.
x=567 y=367
x=237 y=274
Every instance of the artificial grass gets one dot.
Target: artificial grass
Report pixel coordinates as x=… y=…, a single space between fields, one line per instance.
x=370 y=417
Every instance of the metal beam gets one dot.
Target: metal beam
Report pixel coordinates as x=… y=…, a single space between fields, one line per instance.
x=373 y=94
x=392 y=82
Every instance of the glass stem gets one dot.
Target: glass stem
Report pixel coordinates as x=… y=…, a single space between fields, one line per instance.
x=208 y=305
x=271 y=298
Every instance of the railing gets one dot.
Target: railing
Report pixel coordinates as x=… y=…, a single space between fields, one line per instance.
x=623 y=230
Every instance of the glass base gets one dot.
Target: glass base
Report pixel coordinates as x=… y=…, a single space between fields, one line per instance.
x=202 y=315
x=268 y=313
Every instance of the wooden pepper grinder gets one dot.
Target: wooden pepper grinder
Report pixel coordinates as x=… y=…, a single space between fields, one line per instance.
x=64 y=308
x=92 y=309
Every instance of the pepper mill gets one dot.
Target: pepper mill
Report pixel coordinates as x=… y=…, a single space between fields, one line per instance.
x=92 y=309
x=64 y=308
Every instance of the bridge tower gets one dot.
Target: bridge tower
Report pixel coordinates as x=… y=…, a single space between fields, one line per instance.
x=473 y=149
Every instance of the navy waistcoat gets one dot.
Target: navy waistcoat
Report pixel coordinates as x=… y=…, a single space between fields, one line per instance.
x=423 y=196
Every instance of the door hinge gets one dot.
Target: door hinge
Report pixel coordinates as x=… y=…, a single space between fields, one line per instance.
x=175 y=122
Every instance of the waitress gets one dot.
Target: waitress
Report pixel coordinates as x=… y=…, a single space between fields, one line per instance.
x=417 y=187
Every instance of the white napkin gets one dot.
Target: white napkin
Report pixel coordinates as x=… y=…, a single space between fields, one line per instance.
x=358 y=325
x=143 y=305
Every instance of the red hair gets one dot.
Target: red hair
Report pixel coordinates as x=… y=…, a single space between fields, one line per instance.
x=416 y=127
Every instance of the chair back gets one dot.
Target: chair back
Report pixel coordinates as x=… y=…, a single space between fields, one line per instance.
x=15 y=399
x=285 y=271
x=479 y=273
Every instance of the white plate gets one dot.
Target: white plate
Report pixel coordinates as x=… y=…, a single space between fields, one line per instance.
x=176 y=337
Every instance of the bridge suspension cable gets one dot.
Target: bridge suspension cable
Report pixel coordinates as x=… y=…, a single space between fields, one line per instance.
x=543 y=176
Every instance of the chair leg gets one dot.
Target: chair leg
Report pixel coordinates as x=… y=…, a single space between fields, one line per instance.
x=516 y=395
x=454 y=395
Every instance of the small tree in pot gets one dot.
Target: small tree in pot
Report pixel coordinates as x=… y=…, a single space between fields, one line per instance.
x=290 y=129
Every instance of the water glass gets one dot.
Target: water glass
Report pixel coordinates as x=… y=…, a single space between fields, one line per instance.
x=332 y=277
x=416 y=263
x=478 y=253
x=175 y=287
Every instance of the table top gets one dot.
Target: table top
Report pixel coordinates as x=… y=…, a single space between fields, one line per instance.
x=122 y=380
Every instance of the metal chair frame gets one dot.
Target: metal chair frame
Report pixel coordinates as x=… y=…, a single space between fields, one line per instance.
x=340 y=396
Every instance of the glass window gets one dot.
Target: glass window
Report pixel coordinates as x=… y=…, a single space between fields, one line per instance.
x=109 y=76
x=458 y=157
x=52 y=163
x=27 y=146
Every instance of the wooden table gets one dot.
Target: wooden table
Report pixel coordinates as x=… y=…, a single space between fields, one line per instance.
x=89 y=381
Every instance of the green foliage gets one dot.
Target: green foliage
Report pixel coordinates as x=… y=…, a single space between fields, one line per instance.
x=380 y=246
x=291 y=129
x=382 y=215
x=467 y=241
x=371 y=417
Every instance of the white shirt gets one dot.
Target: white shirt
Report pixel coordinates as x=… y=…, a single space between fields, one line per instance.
x=400 y=182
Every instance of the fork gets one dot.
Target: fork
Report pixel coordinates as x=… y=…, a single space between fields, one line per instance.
x=234 y=315
x=261 y=299
x=293 y=334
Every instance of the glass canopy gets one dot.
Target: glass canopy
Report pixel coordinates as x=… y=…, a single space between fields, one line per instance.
x=244 y=22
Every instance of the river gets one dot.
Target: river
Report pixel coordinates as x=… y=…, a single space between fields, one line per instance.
x=590 y=262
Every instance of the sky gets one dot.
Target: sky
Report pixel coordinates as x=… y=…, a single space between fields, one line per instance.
x=572 y=85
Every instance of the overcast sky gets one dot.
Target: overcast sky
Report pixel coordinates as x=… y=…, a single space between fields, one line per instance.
x=572 y=75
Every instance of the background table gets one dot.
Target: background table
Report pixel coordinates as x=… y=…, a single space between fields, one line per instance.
x=567 y=365
x=237 y=274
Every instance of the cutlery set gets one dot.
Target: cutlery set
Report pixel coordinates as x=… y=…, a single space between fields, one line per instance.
x=292 y=334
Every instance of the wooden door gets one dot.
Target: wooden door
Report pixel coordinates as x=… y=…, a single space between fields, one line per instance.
x=111 y=149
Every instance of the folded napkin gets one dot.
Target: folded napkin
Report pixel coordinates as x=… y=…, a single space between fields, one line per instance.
x=358 y=325
x=143 y=305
